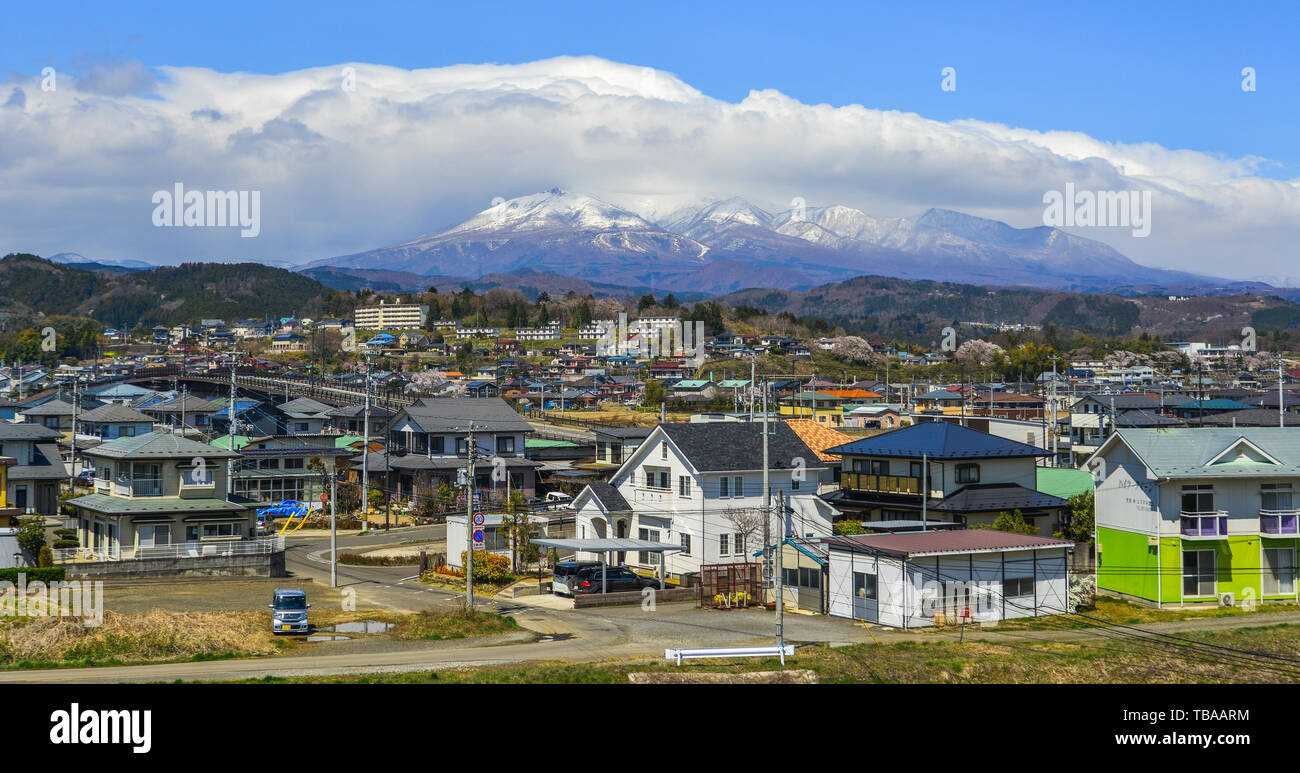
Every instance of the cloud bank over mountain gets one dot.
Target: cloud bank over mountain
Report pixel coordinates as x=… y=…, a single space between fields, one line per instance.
x=354 y=155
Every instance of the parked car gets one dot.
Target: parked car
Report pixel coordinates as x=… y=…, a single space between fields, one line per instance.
x=617 y=578
x=564 y=573
x=289 y=611
x=558 y=500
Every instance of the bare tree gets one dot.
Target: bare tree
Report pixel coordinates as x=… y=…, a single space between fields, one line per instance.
x=748 y=525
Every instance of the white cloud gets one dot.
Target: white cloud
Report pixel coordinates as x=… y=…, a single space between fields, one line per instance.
x=409 y=152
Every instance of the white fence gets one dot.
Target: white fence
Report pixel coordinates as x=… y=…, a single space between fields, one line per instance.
x=201 y=549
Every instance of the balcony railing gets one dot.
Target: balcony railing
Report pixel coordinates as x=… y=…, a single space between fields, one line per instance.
x=201 y=549
x=1207 y=524
x=881 y=484
x=1279 y=521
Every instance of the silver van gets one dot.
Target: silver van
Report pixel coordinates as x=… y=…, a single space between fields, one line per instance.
x=289 y=611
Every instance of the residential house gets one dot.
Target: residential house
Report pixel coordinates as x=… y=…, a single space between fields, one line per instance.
x=352 y=419
x=1190 y=515
x=305 y=416
x=918 y=579
x=274 y=468
x=615 y=444
x=821 y=407
x=37 y=470
x=111 y=421
x=700 y=486
x=429 y=446
x=183 y=410
x=159 y=489
x=942 y=471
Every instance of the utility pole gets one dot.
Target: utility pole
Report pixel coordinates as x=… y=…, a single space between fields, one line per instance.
x=365 y=464
x=334 y=535
x=925 y=491
x=780 y=564
x=469 y=519
x=230 y=432
x=1281 y=415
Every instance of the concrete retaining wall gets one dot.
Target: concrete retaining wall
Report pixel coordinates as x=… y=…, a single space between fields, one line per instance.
x=260 y=565
x=633 y=597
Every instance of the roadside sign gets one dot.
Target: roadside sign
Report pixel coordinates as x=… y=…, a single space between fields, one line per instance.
x=478 y=539
x=479 y=520
x=324 y=499
x=478 y=498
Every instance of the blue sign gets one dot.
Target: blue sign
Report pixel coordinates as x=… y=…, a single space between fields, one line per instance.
x=478 y=535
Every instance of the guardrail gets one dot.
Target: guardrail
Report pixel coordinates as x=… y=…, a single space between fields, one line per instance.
x=729 y=652
x=201 y=549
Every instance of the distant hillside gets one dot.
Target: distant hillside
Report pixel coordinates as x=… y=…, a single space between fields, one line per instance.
x=530 y=283
x=30 y=285
x=918 y=310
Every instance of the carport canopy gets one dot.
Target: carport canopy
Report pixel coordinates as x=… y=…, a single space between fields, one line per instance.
x=605 y=546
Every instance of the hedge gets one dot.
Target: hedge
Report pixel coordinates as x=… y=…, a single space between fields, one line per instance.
x=34 y=574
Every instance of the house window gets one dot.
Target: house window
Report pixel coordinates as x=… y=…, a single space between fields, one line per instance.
x=646 y=556
x=297 y=463
x=435 y=445
x=1198 y=499
x=879 y=466
x=1279 y=571
x=506 y=444
x=219 y=530
x=1018 y=586
x=300 y=426
x=740 y=487
x=864 y=585
x=1198 y=572
x=724 y=484
x=723 y=545
x=657 y=479
x=684 y=485
x=685 y=540
x=794 y=484
x=462 y=446
x=810 y=577
x=1275 y=496
x=789 y=577
x=663 y=450
x=968 y=473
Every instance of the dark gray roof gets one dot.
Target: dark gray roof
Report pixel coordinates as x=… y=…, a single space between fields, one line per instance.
x=1124 y=401
x=189 y=403
x=358 y=410
x=58 y=407
x=26 y=431
x=738 y=445
x=53 y=469
x=112 y=412
x=305 y=407
x=1250 y=417
x=990 y=497
x=455 y=414
x=1140 y=418
x=608 y=496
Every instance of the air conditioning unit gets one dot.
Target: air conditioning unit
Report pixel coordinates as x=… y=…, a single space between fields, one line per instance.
x=1227 y=600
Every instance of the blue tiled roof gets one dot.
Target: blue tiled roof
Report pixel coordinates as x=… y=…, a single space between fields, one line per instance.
x=938 y=440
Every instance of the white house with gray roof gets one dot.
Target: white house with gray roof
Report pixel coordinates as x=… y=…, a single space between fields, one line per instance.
x=1189 y=515
x=700 y=486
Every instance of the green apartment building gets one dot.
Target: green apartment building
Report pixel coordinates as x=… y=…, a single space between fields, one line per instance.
x=1193 y=515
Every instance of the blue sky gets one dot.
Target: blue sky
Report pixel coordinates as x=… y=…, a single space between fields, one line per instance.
x=1167 y=73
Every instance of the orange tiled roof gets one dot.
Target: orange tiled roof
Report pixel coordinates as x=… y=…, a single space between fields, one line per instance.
x=861 y=393
x=819 y=437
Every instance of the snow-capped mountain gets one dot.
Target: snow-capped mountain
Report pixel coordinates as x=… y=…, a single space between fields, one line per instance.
x=732 y=244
